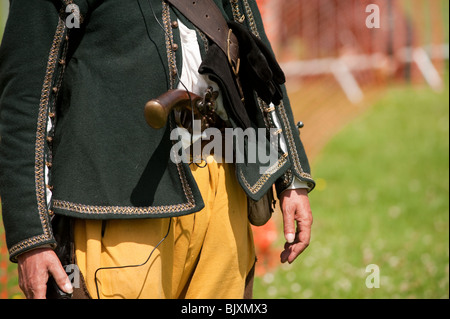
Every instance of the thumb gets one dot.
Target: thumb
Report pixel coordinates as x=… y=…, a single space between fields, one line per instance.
x=59 y=275
x=289 y=223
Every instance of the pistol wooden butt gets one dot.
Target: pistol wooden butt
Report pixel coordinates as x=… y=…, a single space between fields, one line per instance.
x=157 y=110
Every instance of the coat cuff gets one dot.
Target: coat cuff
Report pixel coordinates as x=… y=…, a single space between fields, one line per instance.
x=40 y=241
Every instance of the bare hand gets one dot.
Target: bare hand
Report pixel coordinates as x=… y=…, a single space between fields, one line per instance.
x=296 y=214
x=35 y=268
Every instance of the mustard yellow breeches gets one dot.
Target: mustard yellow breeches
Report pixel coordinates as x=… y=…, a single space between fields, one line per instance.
x=206 y=255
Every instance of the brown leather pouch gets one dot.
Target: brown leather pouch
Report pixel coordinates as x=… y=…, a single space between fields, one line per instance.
x=259 y=212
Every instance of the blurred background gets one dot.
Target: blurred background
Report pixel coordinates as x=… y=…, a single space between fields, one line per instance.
x=369 y=80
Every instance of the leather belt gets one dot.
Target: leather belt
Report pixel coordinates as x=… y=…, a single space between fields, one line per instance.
x=206 y=16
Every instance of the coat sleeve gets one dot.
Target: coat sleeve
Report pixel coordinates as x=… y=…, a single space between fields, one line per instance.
x=247 y=10
x=31 y=64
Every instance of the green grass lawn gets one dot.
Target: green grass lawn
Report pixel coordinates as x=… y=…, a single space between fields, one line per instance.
x=382 y=198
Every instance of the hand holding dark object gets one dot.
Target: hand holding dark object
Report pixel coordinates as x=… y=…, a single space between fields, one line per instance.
x=35 y=268
x=258 y=67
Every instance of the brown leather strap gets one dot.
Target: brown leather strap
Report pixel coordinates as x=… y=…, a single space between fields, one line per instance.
x=206 y=16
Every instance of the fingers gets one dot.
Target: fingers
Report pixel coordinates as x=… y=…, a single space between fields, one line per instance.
x=32 y=277
x=302 y=238
x=293 y=250
x=293 y=246
x=33 y=288
x=34 y=269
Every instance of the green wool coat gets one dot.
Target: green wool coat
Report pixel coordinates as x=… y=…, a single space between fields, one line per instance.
x=72 y=123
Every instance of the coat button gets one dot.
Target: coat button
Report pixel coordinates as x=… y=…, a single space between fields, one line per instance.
x=300 y=125
x=174 y=47
x=174 y=24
